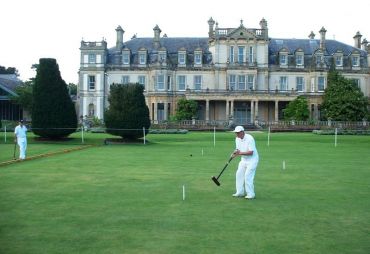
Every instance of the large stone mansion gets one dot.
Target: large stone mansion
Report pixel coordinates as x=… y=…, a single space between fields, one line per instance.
x=238 y=73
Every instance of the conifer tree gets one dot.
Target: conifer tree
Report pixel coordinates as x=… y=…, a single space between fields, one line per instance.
x=127 y=113
x=53 y=112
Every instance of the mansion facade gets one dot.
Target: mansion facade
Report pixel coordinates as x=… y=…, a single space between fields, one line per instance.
x=234 y=73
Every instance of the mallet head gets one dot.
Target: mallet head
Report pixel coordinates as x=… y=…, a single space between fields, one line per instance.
x=216 y=181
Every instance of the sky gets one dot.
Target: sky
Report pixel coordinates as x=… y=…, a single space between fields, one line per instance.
x=34 y=29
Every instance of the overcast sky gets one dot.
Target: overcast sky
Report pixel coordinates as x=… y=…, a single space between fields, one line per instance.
x=34 y=29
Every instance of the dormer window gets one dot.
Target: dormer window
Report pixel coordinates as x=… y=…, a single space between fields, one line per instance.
x=182 y=57
x=355 y=61
x=198 y=57
x=162 y=57
x=299 y=58
x=283 y=58
x=126 y=57
x=339 y=61
x=142 y=56
x=319 y=59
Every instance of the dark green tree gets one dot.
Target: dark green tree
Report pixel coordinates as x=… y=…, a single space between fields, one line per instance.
x=297 y=110
x=343 y=100
x=53 y=113
x=72 y=89
x=186 y=109
x=127 y=113
x=24 y=95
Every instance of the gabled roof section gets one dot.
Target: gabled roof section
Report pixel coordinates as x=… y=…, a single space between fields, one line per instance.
x=9 y=84
x=241 y=33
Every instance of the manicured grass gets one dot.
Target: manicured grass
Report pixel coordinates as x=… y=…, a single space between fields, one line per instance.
x=128 y=198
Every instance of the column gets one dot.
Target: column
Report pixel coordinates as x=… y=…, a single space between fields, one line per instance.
x=232 y=108
x=165 y=105
x=276 y=110
x=207 y=110
x=256 y=110
x=227 y=110
x=252 y=111
x=155 y=111
x=316 y=112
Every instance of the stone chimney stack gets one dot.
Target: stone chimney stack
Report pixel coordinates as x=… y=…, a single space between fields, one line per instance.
x=120 y=32
x=364 y=44
x=322 y=38
x=311 y=35
x=265 y=31
x=357 y=39
x=157 y=35
x=211 y=23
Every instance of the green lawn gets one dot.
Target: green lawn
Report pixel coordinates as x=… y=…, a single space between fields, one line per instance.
x=128 y=198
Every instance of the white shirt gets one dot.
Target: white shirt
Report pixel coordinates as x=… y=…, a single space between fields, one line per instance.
x=20 y=132
x=247 y=144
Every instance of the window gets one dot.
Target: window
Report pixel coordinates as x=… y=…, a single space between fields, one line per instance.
x=160 y=82
x=198 y=58
x=231 y=58
x=182 y=58
x=300 y=84
x=250 y=57
x=355 y=61
x=160 y=112
x=91 y=109
x=250 y=82
x=241 y=82
x=126 y=58
x=299 y=60
x=197 y=82
x=92 y=58
x=181 y=82
x=169 y=83
x=318 y=59
x=240 y=55
x=338 y=60
x=142 y=58
x=162 y=57
x=232 y=82
x=141 y=81
x=356 y=82
x=321 y=84
x=283 y=83
x=125 y=80
x=283 y=59
x=91 y=82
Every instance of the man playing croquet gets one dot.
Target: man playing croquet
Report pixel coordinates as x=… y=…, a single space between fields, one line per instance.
x=246 y=148
x=20 y=137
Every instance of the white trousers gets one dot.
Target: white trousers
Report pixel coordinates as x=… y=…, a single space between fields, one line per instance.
x=22 y=143
x=245 y=178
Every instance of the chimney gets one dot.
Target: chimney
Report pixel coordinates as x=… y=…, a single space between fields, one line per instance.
x=157 y=35
x=322 y=38
x=120 y=32
x=364 y=44
x=311 y=35
x=211 y=23
x=263 y=25
x=357 y=39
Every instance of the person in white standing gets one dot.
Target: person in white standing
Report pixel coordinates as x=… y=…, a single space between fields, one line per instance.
x=246 y=148
x=20 y=136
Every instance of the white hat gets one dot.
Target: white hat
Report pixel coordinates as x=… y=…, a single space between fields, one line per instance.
x=238 y=129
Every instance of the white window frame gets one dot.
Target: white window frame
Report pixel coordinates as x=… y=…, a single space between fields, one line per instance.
x=198 y=58
x=339 y=60
x=319 y=59
x=232 y=82
x=250 y=82
x=355 y=61
x=241 y=82
x=125 y=79
x=283 y=83
x=241 y=52
x=198 y=82
x=231 y=57
x=321 y=84
x=142 y=58
x=299 y=84
x=283 y=59
x=251 y=55
x=182 y=58
x=91 y=82
x=141 y=79
x=181 y=82
x=299 y=58
x=162 y=57
x=126 y=58
x=92 y=59
x=160 y=82
x=356 y=82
